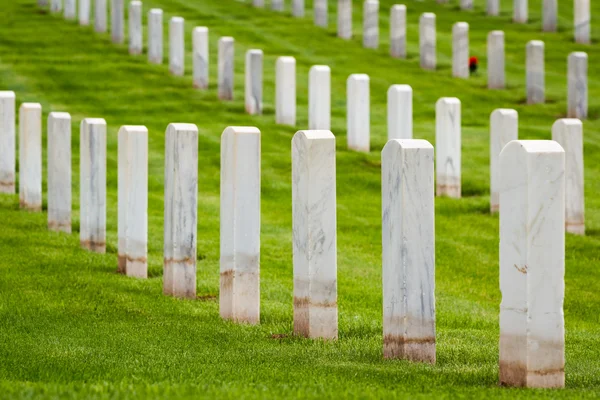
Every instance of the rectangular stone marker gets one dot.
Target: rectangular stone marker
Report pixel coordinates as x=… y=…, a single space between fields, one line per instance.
x=314 y=234
x=176 y=46
x=493 y=7
x=92 y=191
x=277 y=5
x=408 y=249
x=504 y=128
x=200 y=57
x=55 y=5
x=344 y=19
x=135 y=28
x=226 y=63
x=532 y=264
x=30 y=156
x=70 y=9
x=155 y=36
x=181 y=210
x=42 y=3
x=59 y=172
x=578 y=85
x=239 y=295
x=496 y=60
x=398 y=31
x=320 y=13
x=520 y=11
x=582 y=21
x=371 y=24
x=568 y=132
x=427 y=41
x=535 y=72
x=460 y=50
x=298 y=8
x=84 y=12
x=133 y=201
x=285 y=91
x=319 y=97
x=549 y=15
x=254 y=82
x=117 y=21
x=448 y=147
x=358 y=112
x=400 y=112
x=258 y=3
x=466 y=4
x=7 y=142
x=100 y=16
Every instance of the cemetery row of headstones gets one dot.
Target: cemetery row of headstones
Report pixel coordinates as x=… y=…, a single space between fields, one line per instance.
x=358 y=95
x=528 y=179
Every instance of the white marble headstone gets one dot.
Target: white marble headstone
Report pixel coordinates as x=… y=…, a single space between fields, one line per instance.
x=568 y=132
x=320 y=13
x=344 y=19
x=520 y=11
x=285 y=91
x=117 y=18
x=200 y=57
x=181 y=210
x=582 y=21
x=371 y=24
x=493 y=7
x=298 y=8
x=536 y=81
x=504 y=128
x=56 y=5
x=133 y=201
x=408 y=248
x=225 y=72
x=100 y=16
x=319 y=98
x=239 y=295
x=155 y=36
x=59 y=172
x=177 y=46
x=448 y=147
x=427 y=41
x=92 y=185
x=135 y=28
x=7 y=142
x=466 y=4
x=496 y=60
x=314 y=234
x=30 y=156
x=84 y=12
x=254 y=82
x=70 y=9
x=358 y=112
x=532 y=264
x=400 y=112
x=549 y=15
x=398 y=31
x=577 y=99
x=460 y=50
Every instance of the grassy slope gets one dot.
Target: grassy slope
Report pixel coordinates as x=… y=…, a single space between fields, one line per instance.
x=69 y=325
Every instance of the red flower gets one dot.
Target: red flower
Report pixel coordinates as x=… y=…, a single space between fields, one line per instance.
x=473 y=64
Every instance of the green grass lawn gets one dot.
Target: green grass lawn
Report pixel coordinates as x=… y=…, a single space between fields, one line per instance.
x=71 y=327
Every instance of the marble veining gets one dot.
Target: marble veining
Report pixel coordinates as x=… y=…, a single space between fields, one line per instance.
x=200 y=57
x=254 y=82
x=427 y=41
x=226 y=63
x=577 y=103
x=448 y=147
x=582 y=21
x=59 y=172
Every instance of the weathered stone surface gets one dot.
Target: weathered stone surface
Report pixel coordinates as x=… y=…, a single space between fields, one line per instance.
x=100 y=16
x=239 y=295
x=59 y=172
x=155 y=36
x=582 y=21
x=320 y=13
x=448 y=147
x=7 y=142
x=358 y=112
x=408 y=247
x=133 y=201
x=136 y=45
x=577 y=85
x=200 y=57
x=427 y=41
x=536 y=81
x=92 y=185
x=532 y=264
x=226 y=63
x=254 y=82
x=398 y=31
x=504 y=128
x=493 y=7
x=314 y=234
x=298 y=8
x=549 y=15
x=319 y=98
x=30 y=156
x=285 y=91
x=520 y=11
x=84 y=12
x=466 y=4
x=460 y=50
x=496 y=60
x=70 y=9
x=344 y=19
x=176 y=46
x=181 y=210
x=568 y=132
x=400 y=112
x=117 y=21
x=371 y=24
